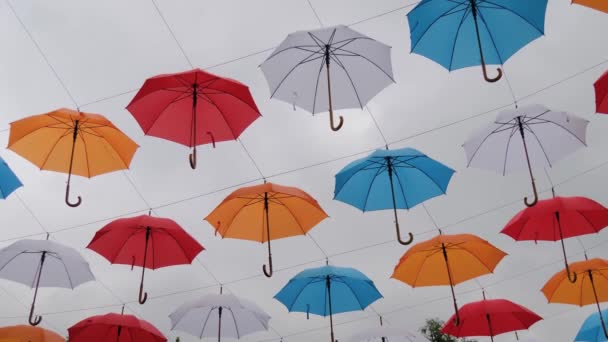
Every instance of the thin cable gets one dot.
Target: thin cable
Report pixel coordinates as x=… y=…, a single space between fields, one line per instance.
x=255 y=164
x=431 y=217
x=504 y=73
x=315 y=13
x=377 y=126
x=179 y=45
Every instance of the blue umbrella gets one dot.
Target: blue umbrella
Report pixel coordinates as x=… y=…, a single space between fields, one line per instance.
x=8 y=181
x=392 y=179
x=463 y=33
x=593 y=329
x=328 y=290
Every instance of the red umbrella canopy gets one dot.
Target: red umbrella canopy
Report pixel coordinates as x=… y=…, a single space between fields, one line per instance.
x=601 y=94
x=114 y=327
x=193 y=108
x=490 y=318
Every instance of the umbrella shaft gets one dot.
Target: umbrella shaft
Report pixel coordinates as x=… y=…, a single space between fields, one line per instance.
x=219 y=328
x=331 y=318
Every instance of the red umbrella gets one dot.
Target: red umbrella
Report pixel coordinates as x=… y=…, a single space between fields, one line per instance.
x=128 y=241
x=556 y=219
x=114 y=327
x=193 y=108
x=601 y=94
x=490 y=318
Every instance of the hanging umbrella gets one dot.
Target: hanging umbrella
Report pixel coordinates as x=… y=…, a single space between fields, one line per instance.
x=128 y=241
x=311 y=291
x=357 y=68
x=599 y=5
x=193 y=108
x=557 y=219
x=490 y=317
x=43 y=263
x=447 y=260
x=72 y=142
x=546 y=137
x=392 y=179
x=8 y=181
x=26 y=333
x=219 y=315
x=126 y=328
x=590 y=288
x=601 y=91
x=460 y=34
x=591 y=330
x=249 y=212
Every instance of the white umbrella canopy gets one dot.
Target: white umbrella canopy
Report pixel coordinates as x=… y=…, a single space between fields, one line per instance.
x=330 y=68
x=528 y=137
x=387 y=334
x=219 y=316
x=43 y=263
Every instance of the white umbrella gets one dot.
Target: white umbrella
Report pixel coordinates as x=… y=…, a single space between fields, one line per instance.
x=219 y=315
x=356 y=69
x=43 y=263
x=387 y=334
x=531 y=136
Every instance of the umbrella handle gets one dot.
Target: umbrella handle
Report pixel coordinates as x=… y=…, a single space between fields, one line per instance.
x=34 y=320
x=485 y=74
x=572 y=277
x=67 y=198
x=331 y=110
x=483 y=62
x=144 y=298
x=533 y=203
x=268 y=273
x=192 y=158
x=410 y=238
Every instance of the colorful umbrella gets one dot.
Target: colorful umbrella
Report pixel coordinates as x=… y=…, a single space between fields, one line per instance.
x=205 y=317
x=126 y=328
x=460 y=34
x=311 y=291
x=43 y=263
x=490 y=317
x=26 y=333
x=591 y=286
x=193 y=108
x=392 y=179
x=8 y=181
x=128 y=241
x=591 y=330
x=362 y=68
x=72 y=142
x=462 y=256
x=600 y=5
x=601 y=91
x=557 y=219
x=248 y=212
x=546 y=137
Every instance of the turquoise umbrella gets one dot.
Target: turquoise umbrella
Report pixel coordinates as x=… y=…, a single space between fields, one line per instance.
x=8 y=181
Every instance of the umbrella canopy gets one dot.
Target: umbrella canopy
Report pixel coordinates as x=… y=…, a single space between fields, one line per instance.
x=531 y=136
x=72 y=142
x=591 y=330
x=392 y=179
x=386 y=334
x=601 y=91
x=8 y=181
x=357 y=68
x=328 y=290
x=490 y=317
x=447 y=260
x=250 y=212
x=128 y=241
x=460 y=34
x=557 y=219
x=26 y=333
x=599 y=5
x=114 y=327
x=219 y=315
x=591 y=286
x=193 y=108
x=43 y=263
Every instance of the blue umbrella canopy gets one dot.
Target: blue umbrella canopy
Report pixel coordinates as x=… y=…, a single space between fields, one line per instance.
x=328 y=290
x=392 y=179
x=592 y=329
x=464 y=33
x=8 y=181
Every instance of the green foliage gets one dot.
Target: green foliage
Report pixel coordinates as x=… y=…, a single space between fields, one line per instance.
x=432 y=331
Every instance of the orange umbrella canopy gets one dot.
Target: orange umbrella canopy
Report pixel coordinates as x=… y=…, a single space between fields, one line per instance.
x=72 y=142
x=266 y=212
x=26 y=333
x=600 y=5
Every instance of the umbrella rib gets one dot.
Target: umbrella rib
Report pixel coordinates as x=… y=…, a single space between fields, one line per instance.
x=289 y=74
x=66 y=133
x=341 y=65
x=86 y=153
x=223 y=115
x=517 y=14
x=229 y=94
x=464 y=17
x=205 y=323
x=483 y=20
x=314 y=103
x=64 y=267
x=541 y=147
x=407 y=206
x=135 y=231
x=494 y=131
x=176 y=99
x=15 y=257
x=299 y=294
x=445 y=14
x=580 y=212
x=295 y=219
x=513 y=132
x=236 y=327
x=351 y=291
x=365 y=58
x=369 y=190
x=176 y=242
x=567 y=130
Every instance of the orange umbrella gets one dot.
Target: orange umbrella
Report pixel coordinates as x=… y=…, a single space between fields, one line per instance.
x=26 y=333
x=591 y=286
x=72 y=142
x=600 y=5
x=462 y=256
x=247 y=214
